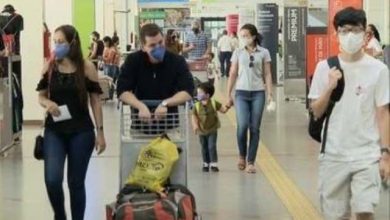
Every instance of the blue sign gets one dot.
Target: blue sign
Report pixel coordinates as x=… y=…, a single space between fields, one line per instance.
x=162 y=1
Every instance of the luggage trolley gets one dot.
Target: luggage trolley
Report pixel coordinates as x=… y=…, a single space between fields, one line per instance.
x=135 y=134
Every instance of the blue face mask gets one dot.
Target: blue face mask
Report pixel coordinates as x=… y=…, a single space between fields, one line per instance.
x=158 y=53
x=61 y=50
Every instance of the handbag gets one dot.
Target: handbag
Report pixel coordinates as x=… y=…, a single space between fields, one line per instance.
x=39 y=139
x=317 y=124
x=38 y=149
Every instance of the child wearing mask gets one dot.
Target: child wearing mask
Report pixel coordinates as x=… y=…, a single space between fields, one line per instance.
x=205 y=123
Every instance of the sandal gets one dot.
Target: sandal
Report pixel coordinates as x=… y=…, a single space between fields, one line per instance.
x=241 y=164
x=251 y=168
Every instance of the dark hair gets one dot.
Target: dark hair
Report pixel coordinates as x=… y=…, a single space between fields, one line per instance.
x=224 y=32
x=149 y=30
x=212 y=55
x=76 y=57
x=96 y=34
x=9 y=8
x=253 y=31
x=168 y=37
x=350 y=16
x=208 y=88
x=115 y=39
x=108 y=40
x=375 y=31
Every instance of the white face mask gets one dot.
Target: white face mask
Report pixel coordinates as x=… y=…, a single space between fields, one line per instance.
x=351 y=43
x=245 y=42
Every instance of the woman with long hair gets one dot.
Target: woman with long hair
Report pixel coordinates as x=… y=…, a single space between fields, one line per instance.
x=111 y=58
x=373 y=47
x=69 y=85
x=172 y=42
x=251 y=65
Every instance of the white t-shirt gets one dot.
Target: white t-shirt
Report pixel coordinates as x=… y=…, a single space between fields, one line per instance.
x=353 y=131
x=225 y=44
x=250 y=72
x=235 y=43
x=374 y=44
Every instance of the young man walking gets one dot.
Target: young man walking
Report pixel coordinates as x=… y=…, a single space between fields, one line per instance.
x=357 y=155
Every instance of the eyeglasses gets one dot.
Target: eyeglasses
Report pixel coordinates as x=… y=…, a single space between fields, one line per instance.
x=344 y=31
x=251 y=58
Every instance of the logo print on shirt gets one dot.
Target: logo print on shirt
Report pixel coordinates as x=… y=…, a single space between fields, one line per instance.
x=360 y=90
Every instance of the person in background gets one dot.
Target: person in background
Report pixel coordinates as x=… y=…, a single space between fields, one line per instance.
x=15 y=27
x=373 y=47
x=235 y=42
x=205 y=123
x=197 y=44
x=251 y=75
x=172 y=42
x=115 y=41
x=96 y=48
x=110 y=59
x=357 y=149
x=115 y=38
x=212 y=69
x=69 y=82
x=225 y=48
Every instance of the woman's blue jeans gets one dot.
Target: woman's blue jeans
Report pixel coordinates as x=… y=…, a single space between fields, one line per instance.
x=249 y=111
x=77 y=147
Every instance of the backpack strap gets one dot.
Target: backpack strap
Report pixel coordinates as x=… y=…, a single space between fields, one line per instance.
x=335 y=97
x=213 y=103
x=338 y=91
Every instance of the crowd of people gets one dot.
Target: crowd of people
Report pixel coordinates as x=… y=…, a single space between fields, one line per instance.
x=357 y=154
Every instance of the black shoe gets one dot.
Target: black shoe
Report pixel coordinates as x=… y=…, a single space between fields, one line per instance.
x=214 y=169
x=206 y=169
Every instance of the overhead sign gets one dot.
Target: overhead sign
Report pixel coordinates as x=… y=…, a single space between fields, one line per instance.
x=267 y=24
x=294 y=44
x=152 y=15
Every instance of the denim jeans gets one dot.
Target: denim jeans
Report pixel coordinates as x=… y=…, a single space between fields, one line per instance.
x=209 y=147
x=249 y=111
x=225 y=60
x=111 y=71
x=77 y=147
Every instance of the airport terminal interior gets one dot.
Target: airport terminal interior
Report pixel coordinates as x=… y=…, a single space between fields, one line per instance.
x=298 y=35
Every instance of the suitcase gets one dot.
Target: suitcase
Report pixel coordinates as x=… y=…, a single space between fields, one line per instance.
x=108 y=88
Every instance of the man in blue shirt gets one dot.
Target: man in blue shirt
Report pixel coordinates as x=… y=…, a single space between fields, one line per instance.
x=197 y=45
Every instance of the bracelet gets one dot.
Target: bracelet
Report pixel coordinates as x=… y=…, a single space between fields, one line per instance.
x=99 y=128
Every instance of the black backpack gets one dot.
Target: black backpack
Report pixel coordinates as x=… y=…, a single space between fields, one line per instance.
x=316 y=124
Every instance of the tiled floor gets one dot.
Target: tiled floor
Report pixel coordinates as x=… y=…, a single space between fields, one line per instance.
x=228 y=195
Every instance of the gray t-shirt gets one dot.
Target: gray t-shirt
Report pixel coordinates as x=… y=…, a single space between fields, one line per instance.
x=250 y=68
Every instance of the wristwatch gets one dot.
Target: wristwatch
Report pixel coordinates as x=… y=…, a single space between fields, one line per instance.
x=164 y=103
x=99 y=128
x=385 y=150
